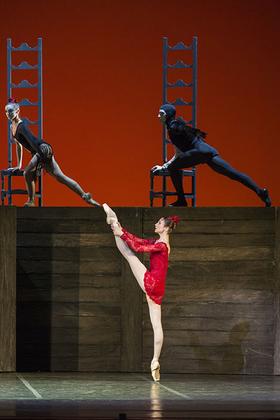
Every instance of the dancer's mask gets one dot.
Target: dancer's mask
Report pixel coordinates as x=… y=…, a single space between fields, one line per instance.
x=12 y=109
x=169 y=110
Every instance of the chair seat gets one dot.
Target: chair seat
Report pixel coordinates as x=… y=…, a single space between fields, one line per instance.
x=165 y=172
x=16 y=191
x=5 y=172
x=159 y=194
x=6 y=177
x=164 y=193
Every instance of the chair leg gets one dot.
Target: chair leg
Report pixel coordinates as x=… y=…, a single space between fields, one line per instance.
x=151 y=189
x=40 y=185
x=9 y=190
x=2 y=188
x=164 y=191
x=194 y=189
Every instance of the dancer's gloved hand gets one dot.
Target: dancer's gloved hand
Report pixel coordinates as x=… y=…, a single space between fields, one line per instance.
x=156 y=168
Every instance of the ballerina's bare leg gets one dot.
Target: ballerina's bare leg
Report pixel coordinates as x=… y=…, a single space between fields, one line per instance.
x=139 y=270
x=155 y=317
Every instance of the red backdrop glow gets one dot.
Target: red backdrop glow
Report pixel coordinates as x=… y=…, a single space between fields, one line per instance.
x=102 y=80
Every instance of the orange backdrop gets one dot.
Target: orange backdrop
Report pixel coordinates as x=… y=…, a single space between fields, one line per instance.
x=102 y=89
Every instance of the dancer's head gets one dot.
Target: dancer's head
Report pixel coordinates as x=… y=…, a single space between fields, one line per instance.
x=166 y=113
x=12 y=109
x=166 y=224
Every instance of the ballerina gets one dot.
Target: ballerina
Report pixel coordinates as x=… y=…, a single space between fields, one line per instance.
x=152 y=280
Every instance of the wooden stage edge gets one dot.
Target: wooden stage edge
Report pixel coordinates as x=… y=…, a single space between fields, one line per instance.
x=68 y=301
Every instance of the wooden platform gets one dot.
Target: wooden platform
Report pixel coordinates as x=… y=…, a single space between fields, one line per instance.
x=7 y=289
x=80 y=309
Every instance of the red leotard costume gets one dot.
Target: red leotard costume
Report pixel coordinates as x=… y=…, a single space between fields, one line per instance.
x=154 y=279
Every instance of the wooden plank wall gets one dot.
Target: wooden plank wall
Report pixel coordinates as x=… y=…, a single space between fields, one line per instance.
x=277 y=294
x=7 y=289
x=68 y=275
x=218 y=315
x=80 y=309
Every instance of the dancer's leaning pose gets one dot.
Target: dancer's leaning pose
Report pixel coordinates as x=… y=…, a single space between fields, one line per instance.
x=151 y=281
x=190 y=150
x=42 y=157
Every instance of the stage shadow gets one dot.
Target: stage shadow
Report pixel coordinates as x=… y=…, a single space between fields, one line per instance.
x=47 y=297
x=231 y=357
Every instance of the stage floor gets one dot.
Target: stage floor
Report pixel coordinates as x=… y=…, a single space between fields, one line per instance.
x=107 y=396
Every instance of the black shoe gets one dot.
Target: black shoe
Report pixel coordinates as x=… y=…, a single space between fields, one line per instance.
x=264 y=195
x=179 y=203
x=87 y=197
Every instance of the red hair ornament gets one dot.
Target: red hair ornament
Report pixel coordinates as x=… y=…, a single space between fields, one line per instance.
x=174 y=219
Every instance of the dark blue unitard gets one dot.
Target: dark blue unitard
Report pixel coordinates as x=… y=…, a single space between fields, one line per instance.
x=193 y=150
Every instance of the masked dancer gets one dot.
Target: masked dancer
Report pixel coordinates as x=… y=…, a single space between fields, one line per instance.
x=190 y=150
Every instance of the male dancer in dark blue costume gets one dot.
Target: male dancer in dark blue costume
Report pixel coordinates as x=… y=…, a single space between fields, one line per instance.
x=190 y=150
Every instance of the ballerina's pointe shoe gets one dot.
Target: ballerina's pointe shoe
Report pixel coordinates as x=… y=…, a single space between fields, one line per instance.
x=111 y=215
x=155 y=371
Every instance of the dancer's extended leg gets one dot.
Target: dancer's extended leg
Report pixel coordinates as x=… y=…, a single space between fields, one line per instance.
x=54 y=170
x=155 y=316
x=221 y=166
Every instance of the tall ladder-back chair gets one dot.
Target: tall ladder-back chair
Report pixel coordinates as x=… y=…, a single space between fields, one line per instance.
x=191 y=85
x=7 y=191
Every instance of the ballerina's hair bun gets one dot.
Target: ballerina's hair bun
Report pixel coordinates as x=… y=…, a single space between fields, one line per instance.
x=171 y=222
